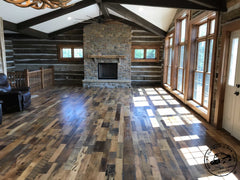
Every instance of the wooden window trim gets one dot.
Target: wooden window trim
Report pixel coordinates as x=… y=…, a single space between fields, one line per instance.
x=157 y=48
x=191 y=53
x=185 y=14
x=206 y=39
x=194 y=24
x=227 y=29
x=60 y=47
x=166 y=59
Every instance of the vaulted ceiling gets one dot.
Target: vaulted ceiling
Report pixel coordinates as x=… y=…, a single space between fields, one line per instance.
x=152 y=15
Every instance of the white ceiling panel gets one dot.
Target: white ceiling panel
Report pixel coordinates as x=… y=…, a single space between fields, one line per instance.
x=161 y=17
x=68 y=19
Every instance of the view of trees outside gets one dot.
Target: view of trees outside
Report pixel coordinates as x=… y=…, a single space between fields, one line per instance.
x=78 y=53
x=66 y=53
x=151 y=53
x=139 y=54
x=198 y=79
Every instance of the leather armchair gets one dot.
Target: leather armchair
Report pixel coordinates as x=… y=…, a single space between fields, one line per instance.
x=14 y=99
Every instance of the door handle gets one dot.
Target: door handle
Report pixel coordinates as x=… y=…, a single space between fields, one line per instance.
x=236 y=93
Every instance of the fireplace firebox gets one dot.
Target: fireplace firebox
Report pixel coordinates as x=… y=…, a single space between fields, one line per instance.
x=107 y=71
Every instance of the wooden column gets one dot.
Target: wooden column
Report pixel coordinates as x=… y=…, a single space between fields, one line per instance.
x=42 y=77
x=52 y=75
x=3 y=64
x=26 y=74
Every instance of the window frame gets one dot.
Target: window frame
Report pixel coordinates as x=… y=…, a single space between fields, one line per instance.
x=157 y=48
x=207 y=38
x=166 y=61
x=184 y=15
x=72 y=47
x=186 y=98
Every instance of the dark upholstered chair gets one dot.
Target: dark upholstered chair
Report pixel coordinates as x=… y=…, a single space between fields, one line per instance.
x=13 y=99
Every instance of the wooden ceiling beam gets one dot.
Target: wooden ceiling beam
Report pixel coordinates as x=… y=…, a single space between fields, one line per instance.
x=54 y=14
x=28 y=31
x=137 y=19
x=102 y=8
x=213 y=4
x=185 y=4
x=127 y=22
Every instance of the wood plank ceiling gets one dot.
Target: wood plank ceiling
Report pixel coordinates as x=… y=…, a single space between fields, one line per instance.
x=49 y=23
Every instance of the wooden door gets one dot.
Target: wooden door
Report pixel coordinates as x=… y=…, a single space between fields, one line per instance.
x=231 y=113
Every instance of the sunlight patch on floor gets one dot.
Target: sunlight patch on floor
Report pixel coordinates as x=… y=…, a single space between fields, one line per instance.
x=139 y=98
x=173 y=121
x=181 y=110
x=231 y=176
x=150 y=113
x=166 y=111
x=140 y=101
x=167 y=97
x=154 y=98
x=190 y=119
x=140 y=92
x=186 y=138
x=154 y=122
x=173 y=102
x=159 y=103
x=161 y=91
x=194 y=155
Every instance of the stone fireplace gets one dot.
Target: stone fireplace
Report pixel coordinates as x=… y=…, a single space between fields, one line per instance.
x=107 y=55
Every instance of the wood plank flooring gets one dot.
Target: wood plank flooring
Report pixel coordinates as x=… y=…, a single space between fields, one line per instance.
x=73 y=133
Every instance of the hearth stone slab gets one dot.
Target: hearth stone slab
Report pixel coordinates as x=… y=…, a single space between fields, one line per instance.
x=107 y=83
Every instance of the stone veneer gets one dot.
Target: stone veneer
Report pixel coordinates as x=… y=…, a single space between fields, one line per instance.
x=112 y=38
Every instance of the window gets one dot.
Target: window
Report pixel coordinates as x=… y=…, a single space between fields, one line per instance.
x=169 y=58
x=203 y=62
x=70 y=53
x=181 y=45
x=145 y=54
x=233 y=62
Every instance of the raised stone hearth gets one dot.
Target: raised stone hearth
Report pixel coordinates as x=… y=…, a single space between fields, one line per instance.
x=107 y=43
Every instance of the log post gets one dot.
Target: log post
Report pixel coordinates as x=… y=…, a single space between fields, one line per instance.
x=42 y=77
x=26 y=75
x=52 y=75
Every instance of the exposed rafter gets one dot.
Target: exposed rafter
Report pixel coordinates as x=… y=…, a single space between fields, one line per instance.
x=75 y=26
x=28 y=31
x=102 y=8
x=205 y=3
x=54 y=14
x=125 y=21
x=137 y=19
x=185 y=4
x=82 y=24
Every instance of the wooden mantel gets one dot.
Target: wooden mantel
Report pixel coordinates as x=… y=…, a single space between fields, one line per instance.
x=106 y=56
x=95 y=57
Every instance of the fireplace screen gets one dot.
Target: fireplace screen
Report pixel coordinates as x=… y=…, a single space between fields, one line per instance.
x=107 y=70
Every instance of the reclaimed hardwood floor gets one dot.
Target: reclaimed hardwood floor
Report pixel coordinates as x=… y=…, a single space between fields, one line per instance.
x=97 y=133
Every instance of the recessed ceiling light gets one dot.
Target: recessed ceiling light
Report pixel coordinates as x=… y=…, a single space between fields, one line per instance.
x=69 y=18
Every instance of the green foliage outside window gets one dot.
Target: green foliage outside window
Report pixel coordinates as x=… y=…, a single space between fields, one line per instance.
x=151 y=53
x=66 y=53
x=139 y=54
